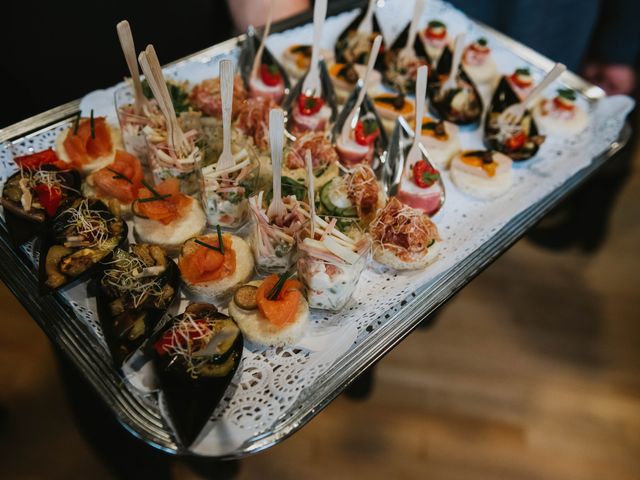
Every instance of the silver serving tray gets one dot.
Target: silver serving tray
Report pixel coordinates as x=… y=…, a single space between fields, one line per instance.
x=73 y=336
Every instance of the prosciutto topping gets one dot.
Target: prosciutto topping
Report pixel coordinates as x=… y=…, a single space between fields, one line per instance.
x=407 y=232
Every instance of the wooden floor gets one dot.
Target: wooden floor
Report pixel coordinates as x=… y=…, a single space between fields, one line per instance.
x=532 y=372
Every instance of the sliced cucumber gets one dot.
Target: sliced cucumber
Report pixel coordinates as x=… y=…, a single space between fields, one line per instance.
x=328 y=191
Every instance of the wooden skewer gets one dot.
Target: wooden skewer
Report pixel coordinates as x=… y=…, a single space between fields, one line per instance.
x=276 y=139
x=311 y=191
x=225 y=161
x=129 y=50
x=179 y=141
x=267 y=28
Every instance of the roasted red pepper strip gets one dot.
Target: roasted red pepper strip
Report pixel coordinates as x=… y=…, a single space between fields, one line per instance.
x=49 y=197
x=516 y=142
x=424 y=175
x=163 y=345
x=36 y=160
x=366 y=131
x=270 y=75
x=309 y=105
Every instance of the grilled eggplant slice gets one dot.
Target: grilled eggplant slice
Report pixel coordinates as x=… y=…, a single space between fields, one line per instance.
x=401 y=75
x=354 y=47
x=32 y=196
x=77 y=242
x=462 y=105
x=195 y=357
x=519 y=142
x=133 y=293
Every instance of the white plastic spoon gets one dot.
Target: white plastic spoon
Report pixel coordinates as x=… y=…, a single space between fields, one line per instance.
x=352 y=119
x=458 y=48
x=513 y=114
x=408 y=49
x=421 y=91
x=226 y=93
x=276 y=140
x=366 y=25
x=312 y=85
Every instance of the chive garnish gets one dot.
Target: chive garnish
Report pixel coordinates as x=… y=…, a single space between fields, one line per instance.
x=154 y=199
x=91 y=124
x=76 y=123
x=119 y=176
x=277 y=288
x=219 y=248
x=154 y=192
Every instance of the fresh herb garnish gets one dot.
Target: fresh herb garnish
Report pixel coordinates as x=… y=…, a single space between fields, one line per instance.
x=474 y=153
x=567 y=94
x=369 y=125
x=523 y=71
x=76 y=123
x=119 y=176
x=436 y=24
x=396 y=101
x=92 y=125
x=482 y=42
x=277 y=288
x=178 y=94
x=219 y=248
x=156 y=196
x=430 y=177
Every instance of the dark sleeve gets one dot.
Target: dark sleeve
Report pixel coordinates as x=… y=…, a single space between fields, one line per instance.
x=617 y=37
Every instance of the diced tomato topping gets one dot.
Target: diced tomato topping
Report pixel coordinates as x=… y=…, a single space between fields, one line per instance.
x=309 y=105
x=522 y=82
x=424 y=175
x=270 y=75
x=36 y=160
x=164 y=344
x=367 y=131
x=49 y=197
x=516 y=142
x=558 y=103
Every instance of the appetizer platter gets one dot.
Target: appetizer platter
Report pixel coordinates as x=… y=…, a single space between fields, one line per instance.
x=229 y=243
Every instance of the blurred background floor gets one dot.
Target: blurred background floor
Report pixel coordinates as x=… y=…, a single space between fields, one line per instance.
x=533 y=371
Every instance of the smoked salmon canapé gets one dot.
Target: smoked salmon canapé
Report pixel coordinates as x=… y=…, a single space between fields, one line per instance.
x=164 y=216
x=89 y=144
x=214 y=264
x=271 y=312
x=404 y=238
x=118 y=183
x=482 y=174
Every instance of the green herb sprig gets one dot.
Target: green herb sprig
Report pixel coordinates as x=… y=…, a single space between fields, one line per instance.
x=156 y=196
x=219 y=248
x=277 y=288
x=92 y=125
x=76 y=123
x=119 y=176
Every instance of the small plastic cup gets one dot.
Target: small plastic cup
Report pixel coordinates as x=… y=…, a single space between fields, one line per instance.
x=164 y=163
x=225 y=196
x=131 y=125
x=329 y=280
